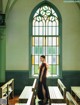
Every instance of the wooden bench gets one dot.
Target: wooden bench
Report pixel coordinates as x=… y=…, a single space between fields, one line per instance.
x=26 y=92
x=59 y=104
x=30 y=100
x=57 y=93
x=75 y=91
x=70 y=100
x=7 y=90
x=62 y=88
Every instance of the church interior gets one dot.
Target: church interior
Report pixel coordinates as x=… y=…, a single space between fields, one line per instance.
x=30 y=29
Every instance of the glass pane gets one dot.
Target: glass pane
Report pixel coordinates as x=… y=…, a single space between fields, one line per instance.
x=36 y=50
x=36 y=30
x=44 y=41
x=50 y=69
x=40 y=23
x=40 y=40
x=36 y=23
x=32 y=69
x=49 y=41
x=32 y=59
x=36 y=60
x=57 y=41
x=49 y=59
x=36 y=40
x=46 y=58
x=54 y=51
x=32 y=50
x=54 y=71
x=48 y=50
x=33 y=41
x=57 y=50
x=50 y=23
x=50 y=31
x=57 y=31
x=40 y=30
x=57 y=68
x=51 y=51
x=54 y=23
x=41 y=50
x=54 y=60
x=36 y=69
x=54 y=31
x=54 y=41
x=57 y=59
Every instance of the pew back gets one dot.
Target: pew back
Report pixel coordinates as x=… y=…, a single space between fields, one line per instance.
x=62 y=88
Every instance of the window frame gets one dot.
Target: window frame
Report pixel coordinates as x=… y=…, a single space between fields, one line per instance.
x=30 y=36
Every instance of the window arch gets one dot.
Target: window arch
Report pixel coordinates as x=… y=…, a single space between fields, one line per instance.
x=45 y=38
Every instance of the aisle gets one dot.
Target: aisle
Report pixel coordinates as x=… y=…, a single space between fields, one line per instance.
x=16 y=100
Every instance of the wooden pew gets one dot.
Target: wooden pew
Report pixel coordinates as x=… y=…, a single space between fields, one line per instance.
x=30 y=100
x=70 y=100
x=59 y=104
x=57 y=93
x=7 y=90
x=23 y=98
x=62 y=88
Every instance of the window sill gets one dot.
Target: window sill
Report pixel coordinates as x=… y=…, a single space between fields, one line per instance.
x=48 y=77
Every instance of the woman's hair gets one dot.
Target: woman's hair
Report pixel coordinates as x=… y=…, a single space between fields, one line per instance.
x=43 y=56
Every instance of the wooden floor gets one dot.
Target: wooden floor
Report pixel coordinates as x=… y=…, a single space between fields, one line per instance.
x=16 y=100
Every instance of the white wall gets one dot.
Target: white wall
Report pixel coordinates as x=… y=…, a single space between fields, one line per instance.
x=17 y=35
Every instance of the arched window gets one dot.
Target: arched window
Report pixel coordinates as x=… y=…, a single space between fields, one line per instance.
x=45 y=30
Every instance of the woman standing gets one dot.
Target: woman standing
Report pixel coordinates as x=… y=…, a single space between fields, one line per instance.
x=43 y=92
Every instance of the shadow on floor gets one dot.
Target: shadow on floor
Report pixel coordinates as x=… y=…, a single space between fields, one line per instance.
x=41 y=103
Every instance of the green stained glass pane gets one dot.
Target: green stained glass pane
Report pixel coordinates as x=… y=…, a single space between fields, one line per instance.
x=57 y=68
x=53 y=69
x=36 y=69
x=36 y=50
x=51 y=51
x=50 y=69
x=40 y=50
x=54 y=51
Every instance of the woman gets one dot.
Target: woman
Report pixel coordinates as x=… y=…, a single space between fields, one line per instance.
x=42 y=87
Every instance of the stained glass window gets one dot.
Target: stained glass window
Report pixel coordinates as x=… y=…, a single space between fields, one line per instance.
x=45 y=39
